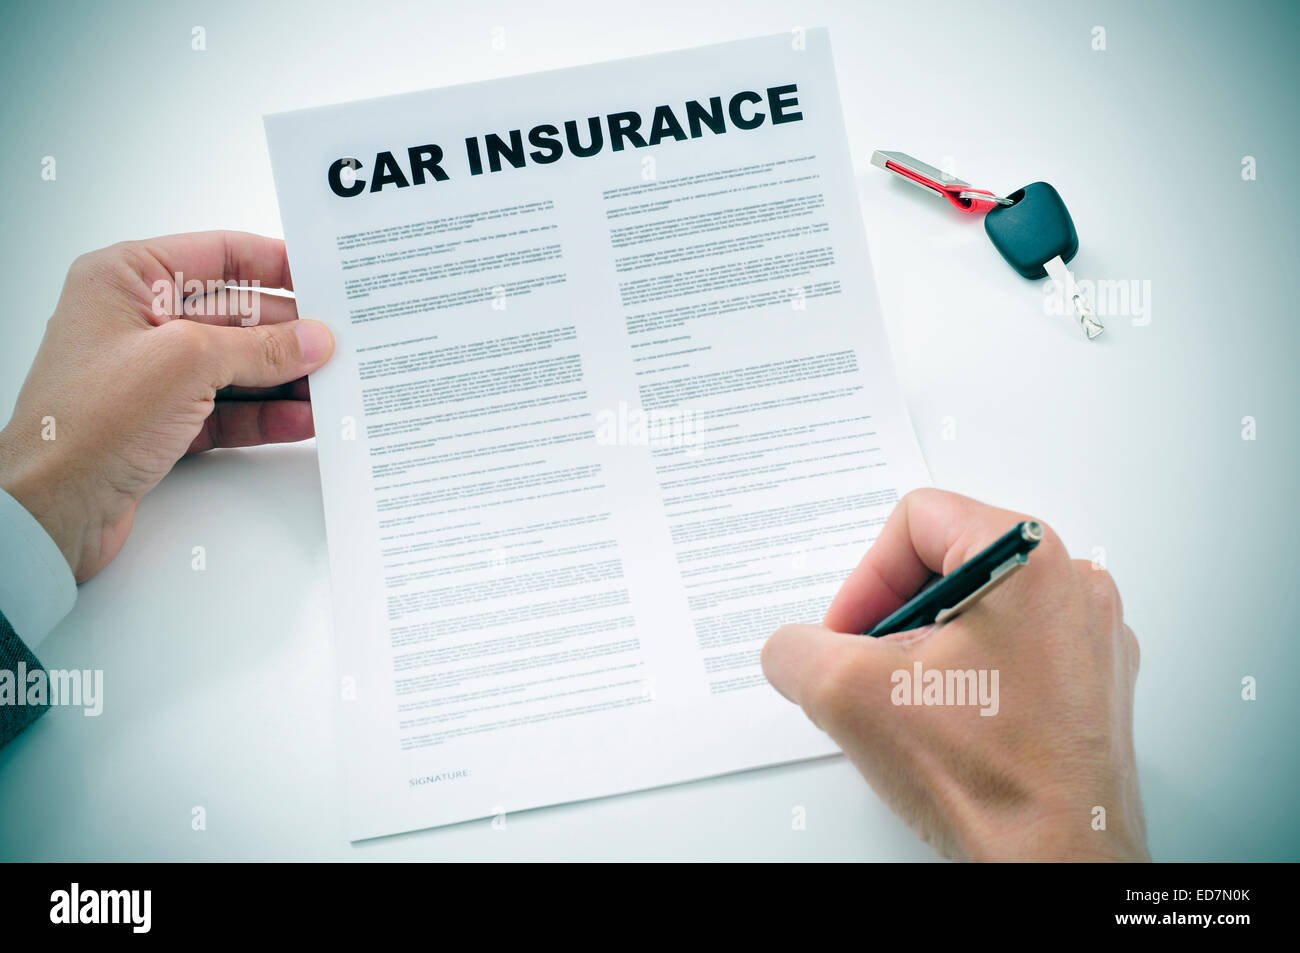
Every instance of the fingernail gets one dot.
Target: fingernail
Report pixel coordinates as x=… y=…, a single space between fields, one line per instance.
x=315 y=340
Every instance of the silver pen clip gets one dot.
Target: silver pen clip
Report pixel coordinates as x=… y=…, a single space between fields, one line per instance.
x=998 y=576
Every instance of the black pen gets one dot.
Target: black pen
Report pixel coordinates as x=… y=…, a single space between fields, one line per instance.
x=965 y=585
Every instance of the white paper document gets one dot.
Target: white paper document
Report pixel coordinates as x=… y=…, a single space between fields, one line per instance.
x=611 y=402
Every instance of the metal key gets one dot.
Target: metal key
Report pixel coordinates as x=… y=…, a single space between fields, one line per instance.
x=1031 y=228
x=1036 y=236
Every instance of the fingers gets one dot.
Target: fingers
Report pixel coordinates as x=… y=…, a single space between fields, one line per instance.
x=294 y=390
x=930 y=531
x=269 y=355
x=830 y=675
x=1103 y=598
x=1134 y=649
x=212 y=256
x=252 y=423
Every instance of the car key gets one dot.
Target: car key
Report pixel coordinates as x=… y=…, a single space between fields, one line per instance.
x=1031 y=228
x=1036 y=236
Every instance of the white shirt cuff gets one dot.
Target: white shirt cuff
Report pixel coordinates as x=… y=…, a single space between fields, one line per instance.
x=36 y=586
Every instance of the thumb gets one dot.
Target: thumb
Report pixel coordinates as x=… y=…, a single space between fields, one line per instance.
x=837 y=679
x=271 y=354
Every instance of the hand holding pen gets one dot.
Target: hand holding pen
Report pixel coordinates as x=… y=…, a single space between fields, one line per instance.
x=1000 y=733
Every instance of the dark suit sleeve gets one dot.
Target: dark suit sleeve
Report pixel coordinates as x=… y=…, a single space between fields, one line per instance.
x=14 y=717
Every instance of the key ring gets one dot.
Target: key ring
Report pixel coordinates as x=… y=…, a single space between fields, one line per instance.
x=984 y=197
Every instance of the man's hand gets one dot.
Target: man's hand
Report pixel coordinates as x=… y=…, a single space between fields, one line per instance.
x=1025 y=783
x=122 y=388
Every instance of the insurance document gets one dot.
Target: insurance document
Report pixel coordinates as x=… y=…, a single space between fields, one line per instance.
x=611 y=402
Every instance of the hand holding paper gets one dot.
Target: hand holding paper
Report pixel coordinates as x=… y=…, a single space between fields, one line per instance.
x=137 y=369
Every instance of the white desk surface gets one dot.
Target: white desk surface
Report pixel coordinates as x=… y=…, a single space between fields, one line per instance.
x=219 y=684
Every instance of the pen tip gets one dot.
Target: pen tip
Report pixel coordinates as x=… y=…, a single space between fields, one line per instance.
x=1032 y=531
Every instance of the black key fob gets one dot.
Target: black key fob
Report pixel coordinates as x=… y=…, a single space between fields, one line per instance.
x=1033 y=230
